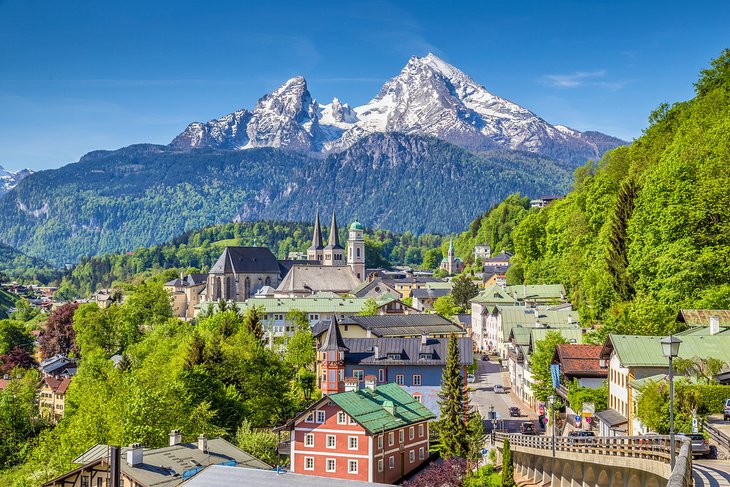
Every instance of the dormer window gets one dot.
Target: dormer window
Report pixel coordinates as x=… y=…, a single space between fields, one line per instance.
x=394 y=356
x=425 y=356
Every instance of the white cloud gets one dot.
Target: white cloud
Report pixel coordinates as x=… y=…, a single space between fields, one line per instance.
x=572 y=80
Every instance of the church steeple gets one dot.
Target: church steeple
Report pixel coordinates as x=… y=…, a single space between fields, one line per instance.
x=332 y=360
x=334 y=253
x=314 y=252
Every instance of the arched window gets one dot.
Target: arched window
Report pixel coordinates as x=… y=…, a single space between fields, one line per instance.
x=268 y=281
x=358 y=252
x=247 y=288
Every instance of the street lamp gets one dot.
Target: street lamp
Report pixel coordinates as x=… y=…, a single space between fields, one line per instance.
x=670 y=349
x=492 y=417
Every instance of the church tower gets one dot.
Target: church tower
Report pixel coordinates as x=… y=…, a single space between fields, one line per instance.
x=356 y=250
x=316 y=250
x=450 y=261
x=334 y=253
x=332 y=360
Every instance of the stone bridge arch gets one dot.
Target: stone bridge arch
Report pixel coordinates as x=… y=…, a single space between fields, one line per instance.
x=603 y=479
x=634 y=480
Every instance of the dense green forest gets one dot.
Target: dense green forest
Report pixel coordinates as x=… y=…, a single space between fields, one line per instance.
x=18 y=266
x=646 y=231
x=143 y=195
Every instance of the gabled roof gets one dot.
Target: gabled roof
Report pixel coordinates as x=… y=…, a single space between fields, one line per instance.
x=411 y=351
x=493 y=295
x=58 y=386
x=303 y=278
x=405 y=325
x=246 y=259
x=376 y=286
x=57 y=364
x=580 y=360
x=646 y=351
x=333 y=340
x=512 y=316
x=191 y=280
x=501 y=257
x=429 y=293
x=366 y=407
x=701 y=317
x=537 y=291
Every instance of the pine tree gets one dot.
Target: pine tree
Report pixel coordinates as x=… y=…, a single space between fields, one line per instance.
x=508 y=469
x=252 y=322
x=452 y=426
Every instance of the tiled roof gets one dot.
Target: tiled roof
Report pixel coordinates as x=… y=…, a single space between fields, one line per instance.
x=4 y=383
x=702 y=331
x=58 y=386
x=701 y=317
x=409 y=350
x=580 y=360
x=246 y=259
x=366 y=407
x=646 y=351
x=315 y=278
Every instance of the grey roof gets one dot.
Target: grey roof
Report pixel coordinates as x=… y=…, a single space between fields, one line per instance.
x=501 y=257
x=334 y=238
x=372 y=288
x=429 y=293
x=221 y=476
x=165 y=466
x=611 y=418
x=362 y=351
x=287 y=264
x=246 y=259
x=303 y=278
x=405 y=325
x=333 y=340
x=190 y=280
x=317 y=234
x=57 y=364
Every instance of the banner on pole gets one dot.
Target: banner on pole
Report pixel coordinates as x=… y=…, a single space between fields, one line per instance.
x=555 y=372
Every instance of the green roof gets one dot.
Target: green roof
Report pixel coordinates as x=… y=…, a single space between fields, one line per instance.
x=573 y=335
x=537 y=291
x=322 y=305
x=493 y=295
x=702 y=331
x=646 y=351
x=356 y=225
x=513 y=316
x=521 y=335
x=368 y=407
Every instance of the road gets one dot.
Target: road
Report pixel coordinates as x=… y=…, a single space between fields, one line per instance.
x=483 y=396
x=711 y=473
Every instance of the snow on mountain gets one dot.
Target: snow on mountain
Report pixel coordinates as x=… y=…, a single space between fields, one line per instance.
x=428 y=97
x=9 y=179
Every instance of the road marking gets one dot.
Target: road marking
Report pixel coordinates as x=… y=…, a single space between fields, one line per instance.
x=711 y=474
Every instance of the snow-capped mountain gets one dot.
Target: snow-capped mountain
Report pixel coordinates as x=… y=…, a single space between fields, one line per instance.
x=428 y=97
x=9 y=179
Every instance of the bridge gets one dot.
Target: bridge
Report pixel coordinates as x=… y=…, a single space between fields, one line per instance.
x=616 y=461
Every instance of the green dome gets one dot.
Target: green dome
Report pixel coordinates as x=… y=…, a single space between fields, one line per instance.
x=356 y=225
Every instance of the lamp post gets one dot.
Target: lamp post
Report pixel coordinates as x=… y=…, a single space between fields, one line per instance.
x=551 y=400
x=670 y=349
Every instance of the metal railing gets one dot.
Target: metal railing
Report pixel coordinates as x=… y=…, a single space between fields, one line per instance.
x=652 y=448
x=718 y=436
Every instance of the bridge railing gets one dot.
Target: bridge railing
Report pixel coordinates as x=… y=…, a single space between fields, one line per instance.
x=650 y=447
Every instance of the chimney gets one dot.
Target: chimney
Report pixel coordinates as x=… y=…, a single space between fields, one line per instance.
x=537 y=313
x=182 y=277
x=424 y=340
x=714 y=325
x=115 y=466
x=570 y=320
x=134 y=455
x=203 y=443
x=352 y=384
x=175 y=437
x=370 y=381
x=390 y=407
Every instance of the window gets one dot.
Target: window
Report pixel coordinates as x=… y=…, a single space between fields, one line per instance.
x=351 y=420
x=420 y=429
x=394 y=356
x=309 y=418
x=352 y=442
x=331 y=441
x=401 y=435
x=309 y=439
x=400 y=379
x=359 y=374
x=417 y=397
x=391 y=439
x=411 y=433
x=99 y=482
x=331 y=465
x=341 y=418
x=381 y=375
x=425 y=356
x=380 y=442
x=412 y=456
x=320 y=416
x=308 y=463
x=391 y=461
x=85 y=481
x=421 y=454
x=352 y=466
x=416 y=379
x=380 y=465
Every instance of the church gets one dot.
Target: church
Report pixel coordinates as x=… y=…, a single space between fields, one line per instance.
x=243 y=272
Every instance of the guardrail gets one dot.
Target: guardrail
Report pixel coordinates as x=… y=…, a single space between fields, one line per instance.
x=718 y=436
x=652 y=448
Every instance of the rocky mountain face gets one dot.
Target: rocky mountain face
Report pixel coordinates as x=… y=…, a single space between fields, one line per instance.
x=9 y=179
x=428 y=98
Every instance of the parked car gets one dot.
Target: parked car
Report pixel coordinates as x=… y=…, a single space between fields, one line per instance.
x=726 y=410
x=470 y=378
x=485 y=356
x=527 y=428
x=700 y=445
x=515 y=412
x=498 y=389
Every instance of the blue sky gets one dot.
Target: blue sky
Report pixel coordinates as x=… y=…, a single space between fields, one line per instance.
x=79 y=76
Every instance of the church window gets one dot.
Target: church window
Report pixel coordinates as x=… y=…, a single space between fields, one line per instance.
x=268 y=281
x=358 y=252
x=247 y=288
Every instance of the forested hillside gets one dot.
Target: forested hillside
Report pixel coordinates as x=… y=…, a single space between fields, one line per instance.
x=115 y=201
x=646 y=231
x=15 y=265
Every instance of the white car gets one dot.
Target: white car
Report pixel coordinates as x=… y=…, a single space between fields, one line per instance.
x=470 y=378
x=498 y=389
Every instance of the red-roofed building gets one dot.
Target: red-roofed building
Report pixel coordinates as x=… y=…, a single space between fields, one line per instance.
x=52 y=397
x=582 y=362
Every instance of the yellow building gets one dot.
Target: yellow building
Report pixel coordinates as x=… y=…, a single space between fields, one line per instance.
x=52 y=397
